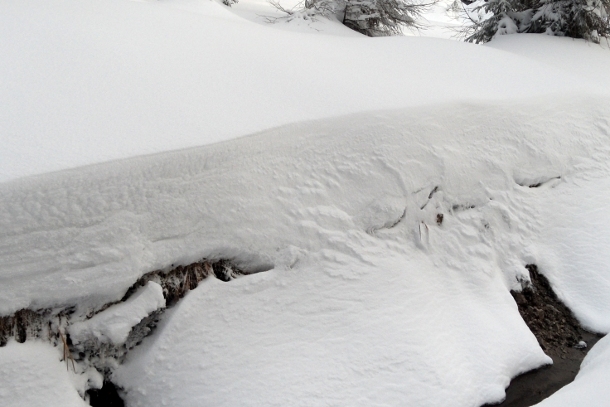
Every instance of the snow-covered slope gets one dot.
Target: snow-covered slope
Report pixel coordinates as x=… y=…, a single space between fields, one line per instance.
x=389 y=191
x=88 y=81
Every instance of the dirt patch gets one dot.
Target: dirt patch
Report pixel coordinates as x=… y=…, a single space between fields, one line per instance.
x=21 y=325
x=46 y=324
x=559 y=335
x=547 y=317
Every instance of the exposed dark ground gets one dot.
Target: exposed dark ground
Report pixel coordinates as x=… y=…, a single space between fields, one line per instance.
x=558 y=333
x=534 y=386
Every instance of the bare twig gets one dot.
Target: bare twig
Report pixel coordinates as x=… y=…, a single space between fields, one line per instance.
x=67 y=353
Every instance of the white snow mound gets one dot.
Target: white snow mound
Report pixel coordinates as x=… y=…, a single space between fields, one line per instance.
x=114 y=323
x=31 y=375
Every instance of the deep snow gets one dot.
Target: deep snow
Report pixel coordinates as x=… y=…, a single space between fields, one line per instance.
x=32 y=375
x=301 y=198
x=92 y=81
x=366 y=299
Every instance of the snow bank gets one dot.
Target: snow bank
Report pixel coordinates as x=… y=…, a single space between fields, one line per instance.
x=371 y=300
x=590 y=388
x=88 y=234
x=585 y=60
x=32 y=375
x=411 y=312
x=114 y=324
x=572 y=248
x=387 y=329
x=393 y=235
x=91 y=81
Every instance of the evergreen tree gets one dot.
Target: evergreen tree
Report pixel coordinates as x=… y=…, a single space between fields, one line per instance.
x=372 y=17
x=586 y=19
x=497 y=17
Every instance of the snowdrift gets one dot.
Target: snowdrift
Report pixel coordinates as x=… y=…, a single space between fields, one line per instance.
x=383 y=195
x=32 y=375
x=91 y=81
x=365 y=285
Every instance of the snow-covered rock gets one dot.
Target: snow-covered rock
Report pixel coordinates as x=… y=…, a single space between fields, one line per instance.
x=114 y=324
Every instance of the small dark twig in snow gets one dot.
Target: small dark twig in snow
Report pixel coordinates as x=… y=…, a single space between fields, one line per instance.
x=67 y=353
x=404 y=213
x=430 y=195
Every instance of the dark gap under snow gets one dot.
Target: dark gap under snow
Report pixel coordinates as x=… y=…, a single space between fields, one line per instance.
x=53 y=324
x=559 y=335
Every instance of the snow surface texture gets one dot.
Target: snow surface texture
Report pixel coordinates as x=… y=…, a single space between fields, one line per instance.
x=369 y=298
x=590 y=388
x=366 y=286
x=389 y=318
x=114 y=324
x=31 y=375
x=132 y=78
